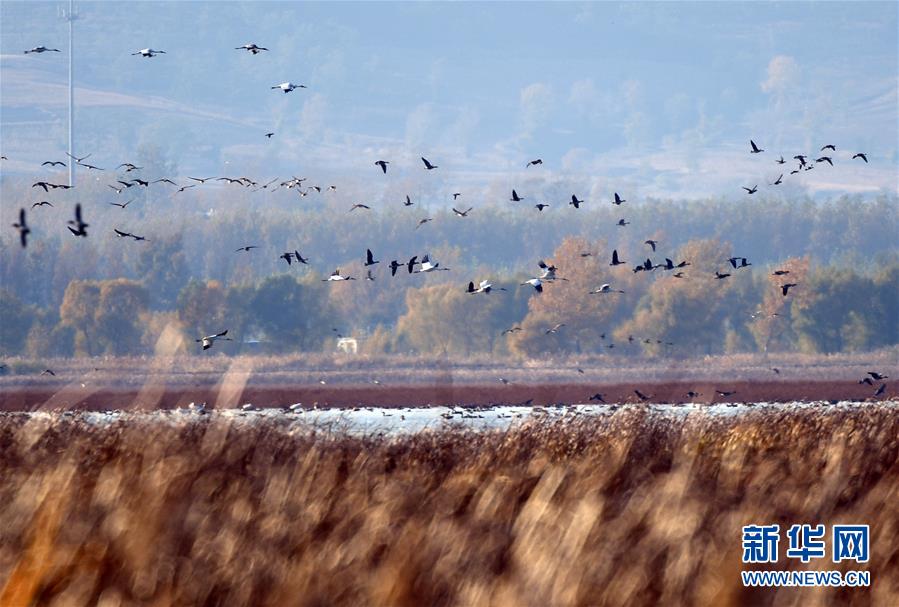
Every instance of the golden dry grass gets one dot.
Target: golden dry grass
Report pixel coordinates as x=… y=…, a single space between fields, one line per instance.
x=634 y=509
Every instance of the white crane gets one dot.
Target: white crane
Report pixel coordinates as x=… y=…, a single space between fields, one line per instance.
x=605 y=288
x=428 y=266
x=483 y=287
x=210 y=339
x=251 y=47
x=289 y=86
x=536 y=283
x=148 y=52
x=336 y=276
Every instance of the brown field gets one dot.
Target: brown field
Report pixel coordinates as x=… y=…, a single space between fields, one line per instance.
x=634 y=508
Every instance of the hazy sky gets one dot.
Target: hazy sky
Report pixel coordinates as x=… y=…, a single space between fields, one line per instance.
x=653 y=98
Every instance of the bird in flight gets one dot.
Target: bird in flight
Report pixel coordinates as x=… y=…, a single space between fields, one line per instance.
x=251 y=48
x=575 y=202
x=43 y=203
x=642 y=396
x=246 y=248
x=878 y=376
x=540 y=206
x=369 y=276
x=618 y=199
x=651 y=243
x=751 y=190
x=622 y=223
x=615 y=260
x=428 y=165
x=605 y=288
x=781 y=160
x=456 y=195
x=408 y=202
x=829 y=146
x=514 y=329
x=370 y=258
x=383 y=164
x=755 y=149
x=779 y=180
x=211 y=339
x=555 y=328
x=286 y=87
x=53 y=163
x=121 y=204
x=826 y=159
x=483 y=287
x=462 y=213
x=286 y=257
x=534 y=162
x=744 y=263
x=720 y=276
x=426 y=265
x=359 y=205
x=80 y=226
x=148 y=52
x=862 y=156
x=300 y=258
x=880 y=390
x=129 y=167
x=22 y=227
x=424 y=221
x=516 y=197
x=785 y=288
x=269 y=135
x=801 y=158
x=336 y=276
x=394 y=266
x=780 y=272
x=42 y=49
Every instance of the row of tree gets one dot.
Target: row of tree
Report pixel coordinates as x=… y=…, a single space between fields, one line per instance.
x=833 y=308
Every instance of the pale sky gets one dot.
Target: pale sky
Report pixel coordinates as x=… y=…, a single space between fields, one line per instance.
x=656 y=99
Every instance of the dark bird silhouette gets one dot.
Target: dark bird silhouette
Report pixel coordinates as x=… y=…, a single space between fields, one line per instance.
x=829 y=146
x=651 y=243
x=22 y=227
x=780 y=272
x=755 y=149
x=720 y=276
x=42 y=49
x=514 y=329
x=369 y=258
x=121 y=234
x=383 y=164
x=269 y=135
x=598 y=397
x=534 y=162
x=866 y=380
x=641 y=396
x=540 y=206
x=48 y=372
x=692 y=394
x=744 y=263
x=186 y=187
x=779 y=180
x=53 y=163
x=826 y=159
x=200 y=179
x=428 y=165
x=251 y=48
x=286 y=257
x=786 y=288
x=462 y=213
x=43 y=203
x=394 y=266
x=300 y=258
x=165 y=180
x=618 y=199
x=726 y=393
x=129 y=167
x=801 y=158
x=246 y=248
x=878 y=376
x=516 y=197
x=862 y=156
x=80 y=228
x=880 y=390
x=615 y=260
x=776 y=370
x=781 y=160
x=411 y=263
x=575 y=202
x=369 y=276
x=90 y=166
x=456 y=195
x=408 y=202
x=142 y=182
x=621 y=223
x=424 y=221
x=359 y=205
x=794 y=171
x=751 y=190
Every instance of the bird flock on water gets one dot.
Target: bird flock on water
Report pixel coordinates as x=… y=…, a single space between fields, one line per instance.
x=415 y=265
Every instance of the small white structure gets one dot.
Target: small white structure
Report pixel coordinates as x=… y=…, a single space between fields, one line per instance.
x=348 y=345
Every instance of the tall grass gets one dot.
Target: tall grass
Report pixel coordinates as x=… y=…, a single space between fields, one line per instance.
x=629 y=509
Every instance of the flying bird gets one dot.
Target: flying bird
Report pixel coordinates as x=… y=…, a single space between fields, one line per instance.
x=540 y=206
x=829 y=146
x=424 y=221
x=744 y=263
x=781 y=160
x=534 y=162
x=369 y=276
x=534 y=282
x=269 y=135
x=604 y=288
x=128 y=167
x=826 y=159
x=779 y=180
x=369 y=258
x=428 y=165
x=300 y=258
x=42 y=49
x=426 y=265
x=651 y=243
x=555 y=328
x=462 y=213
x=80 y=226
x=383 y=164
x=622 y=223
x=359 y=206
x=53 y=163
x=642 y=396
x=286 y=87
x=720 y=276
x=878 y=376
x=251 y=48
x=780 y=272
x=755 y=149
x=785 y=288
x=862 y=156
x=618 y=199
x=394 y=266
x=456 y=195
x=211 y=339
x=336 y=276
x=514 y=329
x=880 y=390
x=246 y=248
x=42 y=203
x=148 y=52
x=598 y=397
x=615 y=260
x=516 y=197
x=286 y=257
x=751 y=190
x=22 y=227
x=408 y=202
x=575 y=202
x=484 y=287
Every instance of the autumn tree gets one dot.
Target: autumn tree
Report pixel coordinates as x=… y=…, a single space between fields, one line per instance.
x=293 y=315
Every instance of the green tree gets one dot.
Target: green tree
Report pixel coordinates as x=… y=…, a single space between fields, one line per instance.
x=16 y=319
x=163 y=268
x=292 y=315
x=117 y=324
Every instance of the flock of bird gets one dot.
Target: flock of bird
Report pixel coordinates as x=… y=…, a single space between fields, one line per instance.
x=415 y=265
